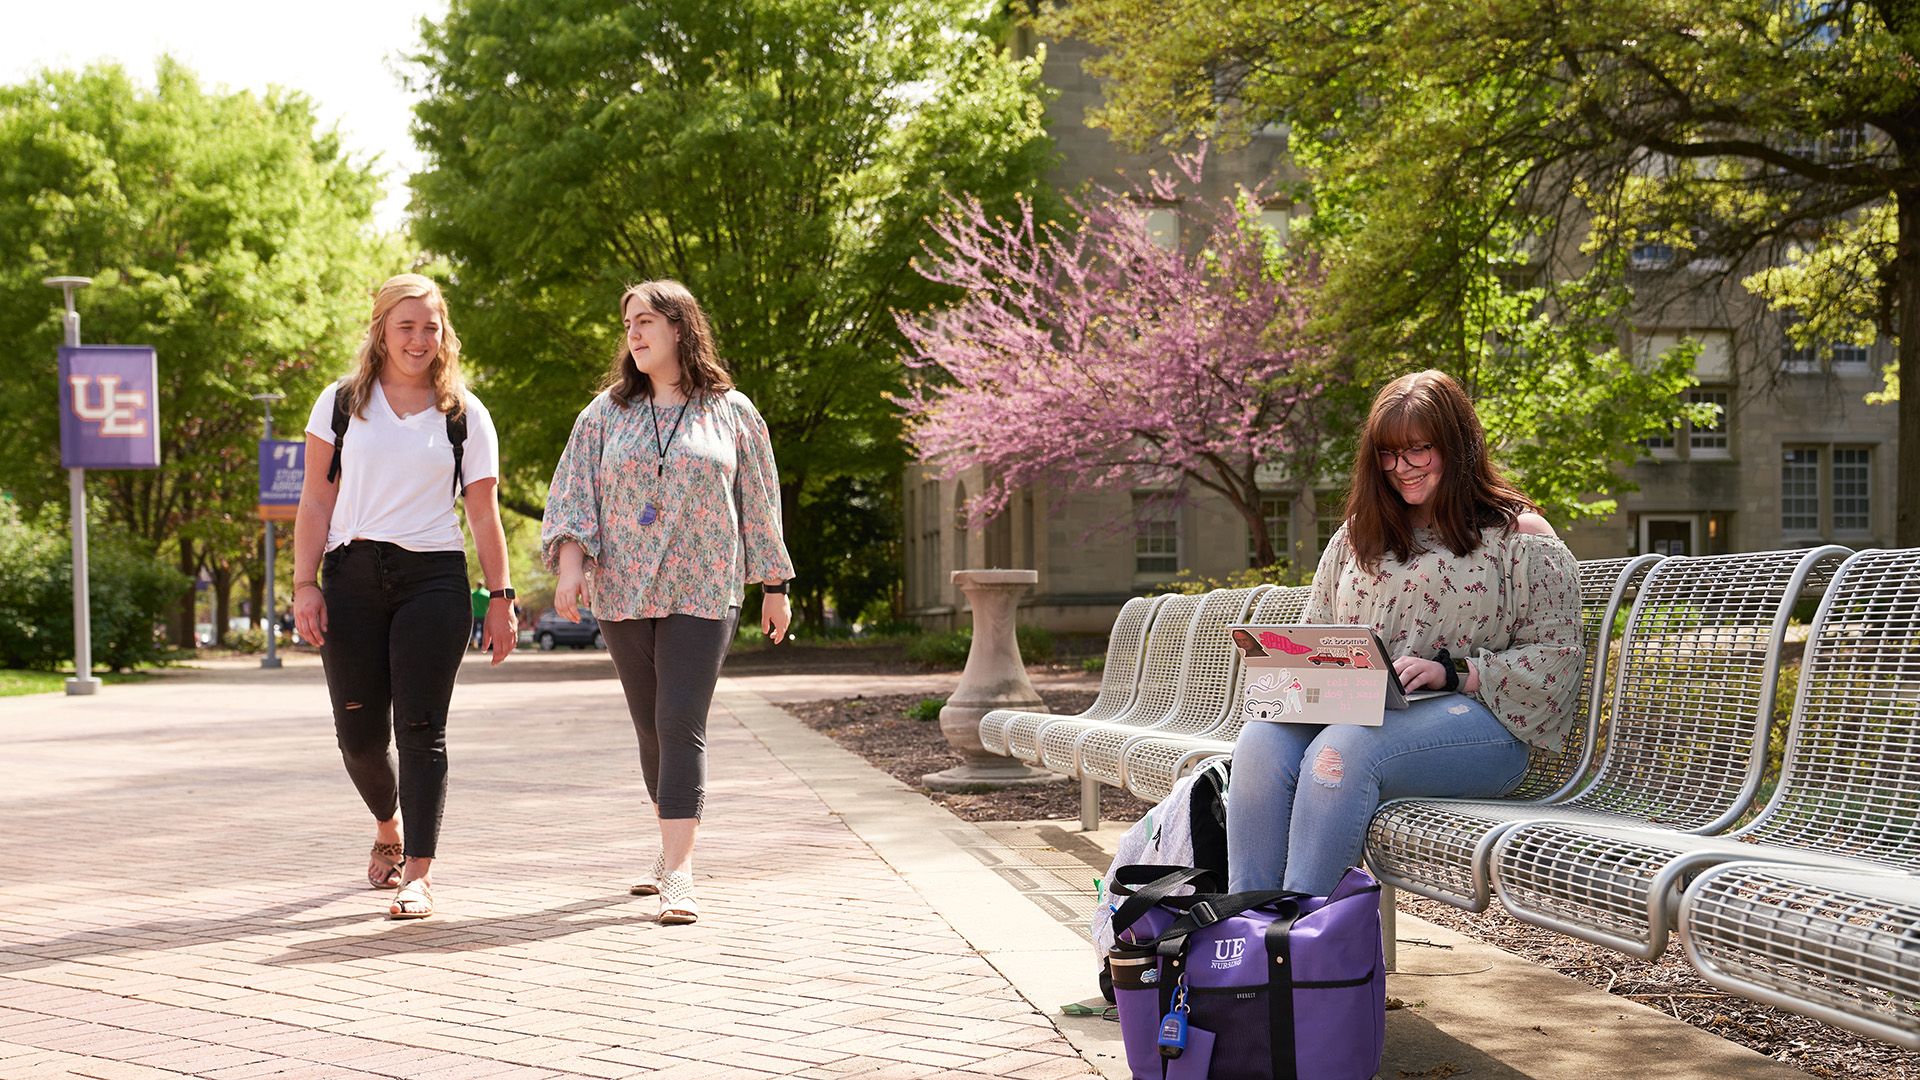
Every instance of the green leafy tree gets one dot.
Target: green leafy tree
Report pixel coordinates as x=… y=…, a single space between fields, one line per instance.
x=780 y=157
x=221 y=228
x=1450 y=142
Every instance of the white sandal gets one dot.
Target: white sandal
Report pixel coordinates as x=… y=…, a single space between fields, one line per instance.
x=650 y=885
x=677 y=904
x=416 y=893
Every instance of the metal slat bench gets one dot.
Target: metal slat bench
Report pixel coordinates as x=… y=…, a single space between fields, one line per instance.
x=1436 y=847
x=1686 y=731
x=1161 y=663
x=1150 y=763
x=1841 y=947
x=1848 y=797
x=1011 y=732
x=1206 y=684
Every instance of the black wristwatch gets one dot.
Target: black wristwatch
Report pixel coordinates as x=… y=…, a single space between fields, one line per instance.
x=1456 y=670
x=778 y=590
x=501 y=594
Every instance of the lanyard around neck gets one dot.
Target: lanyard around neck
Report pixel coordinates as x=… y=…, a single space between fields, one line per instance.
x=659 y=446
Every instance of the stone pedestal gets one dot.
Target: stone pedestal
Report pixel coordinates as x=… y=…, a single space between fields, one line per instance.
x=994 y=678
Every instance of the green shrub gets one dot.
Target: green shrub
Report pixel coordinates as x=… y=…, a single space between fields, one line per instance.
x=926 y=709
x=1036 y=645
x=128 y=592
x=1094 y=664
x=949 y=650
x=1280 y=573
x=250 y=640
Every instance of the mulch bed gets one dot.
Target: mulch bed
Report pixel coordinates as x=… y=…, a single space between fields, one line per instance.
x=878 y=729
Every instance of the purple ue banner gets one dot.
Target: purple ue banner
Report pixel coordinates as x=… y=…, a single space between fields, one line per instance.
x=283 y=469
x=109 y=407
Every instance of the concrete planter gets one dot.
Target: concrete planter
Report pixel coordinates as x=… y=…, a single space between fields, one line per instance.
x=994 y=678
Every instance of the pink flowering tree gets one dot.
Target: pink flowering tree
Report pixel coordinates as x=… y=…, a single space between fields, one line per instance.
x=1096 y=355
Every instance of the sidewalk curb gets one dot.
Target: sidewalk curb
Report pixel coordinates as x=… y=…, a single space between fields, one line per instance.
x=1046 y=963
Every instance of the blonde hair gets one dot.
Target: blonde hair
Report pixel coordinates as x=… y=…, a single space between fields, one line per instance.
x=449 y=389
x=701 y=369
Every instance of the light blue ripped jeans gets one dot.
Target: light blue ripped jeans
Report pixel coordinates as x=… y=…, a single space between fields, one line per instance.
x=1282 y=833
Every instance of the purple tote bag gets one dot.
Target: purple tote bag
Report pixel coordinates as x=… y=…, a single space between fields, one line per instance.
x=1277 y=986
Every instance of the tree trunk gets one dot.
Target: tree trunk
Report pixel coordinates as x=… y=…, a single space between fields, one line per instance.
x=222 y=601
x=257 y=595
x=183 y=611
x=1906 y=508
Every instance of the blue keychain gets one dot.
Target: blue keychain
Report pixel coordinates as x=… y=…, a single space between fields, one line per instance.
x=1173 y=1026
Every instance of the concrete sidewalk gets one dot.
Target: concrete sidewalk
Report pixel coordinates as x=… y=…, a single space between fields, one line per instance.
x=184 y=898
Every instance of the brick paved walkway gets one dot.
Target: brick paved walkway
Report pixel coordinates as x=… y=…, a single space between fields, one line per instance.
x=182 y=896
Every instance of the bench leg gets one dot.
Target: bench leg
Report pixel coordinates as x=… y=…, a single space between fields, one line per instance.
x=1389 y=927
x=1089 y=803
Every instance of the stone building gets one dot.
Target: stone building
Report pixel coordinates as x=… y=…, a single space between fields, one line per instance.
x=1797 y=459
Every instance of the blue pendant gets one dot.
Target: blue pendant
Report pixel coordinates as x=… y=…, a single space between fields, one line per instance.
x=648 y=515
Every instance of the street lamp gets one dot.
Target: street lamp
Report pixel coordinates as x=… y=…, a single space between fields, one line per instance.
x=272 y=659
x=83 y=681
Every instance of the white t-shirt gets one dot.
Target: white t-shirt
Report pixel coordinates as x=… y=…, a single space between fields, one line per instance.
x=396 y=476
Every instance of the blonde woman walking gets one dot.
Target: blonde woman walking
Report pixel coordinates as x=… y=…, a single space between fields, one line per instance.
x=380 y=568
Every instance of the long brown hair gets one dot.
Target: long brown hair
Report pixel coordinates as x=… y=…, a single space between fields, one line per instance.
x=701 y=370
x=449 y=388
x=1427 y=406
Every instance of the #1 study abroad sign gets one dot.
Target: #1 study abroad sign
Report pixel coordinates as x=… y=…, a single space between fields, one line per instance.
x=109 y=407
x=283 y=471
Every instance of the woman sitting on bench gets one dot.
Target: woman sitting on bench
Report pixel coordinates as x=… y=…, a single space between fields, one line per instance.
x=1471 y=591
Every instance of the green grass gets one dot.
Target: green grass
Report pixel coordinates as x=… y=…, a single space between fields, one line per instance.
x=16 y=681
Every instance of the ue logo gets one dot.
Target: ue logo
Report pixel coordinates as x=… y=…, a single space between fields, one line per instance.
x=1227 y=954
x=118 y=411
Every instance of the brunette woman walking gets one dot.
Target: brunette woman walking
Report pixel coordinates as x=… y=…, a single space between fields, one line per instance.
x=668 y=494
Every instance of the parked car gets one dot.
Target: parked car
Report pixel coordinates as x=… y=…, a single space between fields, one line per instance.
x=551 y=630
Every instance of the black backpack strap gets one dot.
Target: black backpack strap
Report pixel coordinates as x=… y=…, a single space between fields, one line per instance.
x=340 y=419
x=1145 y=885
x=457 y=436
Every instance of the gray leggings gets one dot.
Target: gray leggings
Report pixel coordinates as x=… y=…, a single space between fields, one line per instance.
x=667 y=668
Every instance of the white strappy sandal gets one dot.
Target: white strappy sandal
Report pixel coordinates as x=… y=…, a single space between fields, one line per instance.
x=650 y=885
x=413 y=901
x=677 y=904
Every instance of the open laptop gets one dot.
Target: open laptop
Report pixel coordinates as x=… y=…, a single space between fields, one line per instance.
x=1313 y=674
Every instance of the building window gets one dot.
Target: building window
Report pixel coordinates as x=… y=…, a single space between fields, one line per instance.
x=1274 y=509
x=1846 y=357
x=1800 y=491
x=1651 y=256
x=1163 y=227
x=1709 y=440
x=1156 y=536
x=930 y=591
x=1851 y=499
x=1333 y=514
x=1279 y=223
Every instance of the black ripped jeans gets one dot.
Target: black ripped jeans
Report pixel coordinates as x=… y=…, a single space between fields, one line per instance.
x=397 y=627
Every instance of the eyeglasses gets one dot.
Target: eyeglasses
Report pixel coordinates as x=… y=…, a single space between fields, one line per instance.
x=1415 y=457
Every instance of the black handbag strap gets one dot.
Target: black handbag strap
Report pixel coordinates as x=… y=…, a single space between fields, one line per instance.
x=1280 y=1028
x=1203 y=911
x=1146 y=885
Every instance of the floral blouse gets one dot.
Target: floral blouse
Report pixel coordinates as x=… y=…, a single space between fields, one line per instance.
x=1512 y=606
x=674 y=536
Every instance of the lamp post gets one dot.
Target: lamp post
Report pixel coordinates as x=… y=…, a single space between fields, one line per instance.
x=83 y=681
x=272 y=659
